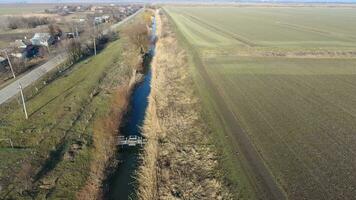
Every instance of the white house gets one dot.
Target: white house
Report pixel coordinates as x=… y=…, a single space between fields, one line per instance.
x=41 y=39
x=106 y=18
x=98 y=20
x=17 y=55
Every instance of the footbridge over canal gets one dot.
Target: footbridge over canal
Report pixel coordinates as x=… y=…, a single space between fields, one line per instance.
x=131 y=141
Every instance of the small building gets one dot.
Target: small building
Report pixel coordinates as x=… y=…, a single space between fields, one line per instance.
x=106 y=18
x=70 y=35
x=98 y=20
x=19 y=44
x=42 y=39
x=21 y=49
x=18 y=55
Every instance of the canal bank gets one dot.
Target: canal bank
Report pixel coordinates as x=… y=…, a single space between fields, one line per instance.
x=178 y=161
x=122 y=185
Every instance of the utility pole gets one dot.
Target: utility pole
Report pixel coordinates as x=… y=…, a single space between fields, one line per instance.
x=23 y=101
x=76 y=31
x=94 y=37
x=94 y=46
x=8 y=60
x=49 y=51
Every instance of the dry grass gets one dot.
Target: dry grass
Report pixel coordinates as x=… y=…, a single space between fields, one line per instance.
x=178 y=161
x=104 y=142
x=105 y=128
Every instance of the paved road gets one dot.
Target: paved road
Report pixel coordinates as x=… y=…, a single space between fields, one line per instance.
x=12 y=89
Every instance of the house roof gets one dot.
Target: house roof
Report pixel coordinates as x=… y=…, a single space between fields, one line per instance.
x=40 y=39
x=41 y=36
x=19 y=44
x=17 y=55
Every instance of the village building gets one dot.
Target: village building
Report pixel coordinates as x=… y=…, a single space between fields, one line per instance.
x=42 y=39
x=98 y=20
x=70 y=35
x=19 y=44
x=22 y=49
x=17 y=55
x=106 y=18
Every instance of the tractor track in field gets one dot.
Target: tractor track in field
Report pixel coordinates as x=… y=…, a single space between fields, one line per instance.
x=265 y=180
x=219 y=30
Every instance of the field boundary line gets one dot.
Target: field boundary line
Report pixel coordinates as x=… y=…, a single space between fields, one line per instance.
x=346 y=37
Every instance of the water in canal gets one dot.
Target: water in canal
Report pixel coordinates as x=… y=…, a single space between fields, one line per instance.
x=121 y=186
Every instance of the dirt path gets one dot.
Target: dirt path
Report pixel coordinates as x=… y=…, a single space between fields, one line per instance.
x=266 y=185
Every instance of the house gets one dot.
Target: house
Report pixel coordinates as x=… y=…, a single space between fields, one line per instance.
x=42 y=39
x=17 y=55
x=70 y=35
x=98 y=20
x=21 y=49
x=31 y=51
x=106 y=18
x=19 y=44
x=3 y=63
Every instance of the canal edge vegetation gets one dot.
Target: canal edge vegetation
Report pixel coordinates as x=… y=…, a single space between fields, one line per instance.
x=179 y=160
x=74 y=117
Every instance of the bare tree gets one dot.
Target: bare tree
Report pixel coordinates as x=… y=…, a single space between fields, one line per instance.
x=138 y=35
x=74 y=50
x=15 y=22
x=55 y=31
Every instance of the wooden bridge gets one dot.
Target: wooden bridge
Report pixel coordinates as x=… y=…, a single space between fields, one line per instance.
x=131 y=140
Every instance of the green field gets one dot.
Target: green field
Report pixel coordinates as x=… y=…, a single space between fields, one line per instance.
x=290 y=28
x=274 y=73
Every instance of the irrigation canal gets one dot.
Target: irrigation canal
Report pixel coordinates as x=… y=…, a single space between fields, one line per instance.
x=122 y=185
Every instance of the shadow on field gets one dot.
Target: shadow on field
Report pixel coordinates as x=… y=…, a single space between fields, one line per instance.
x=55 y=97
